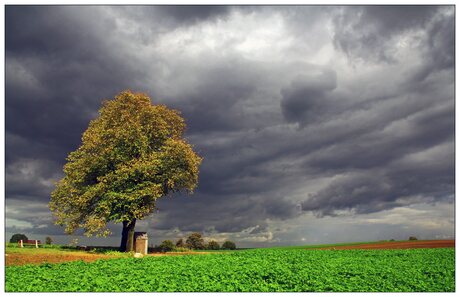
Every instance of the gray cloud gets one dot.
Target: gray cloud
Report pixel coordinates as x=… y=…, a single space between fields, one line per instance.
x=369 y=31
x=306 y=100
x=193 y=13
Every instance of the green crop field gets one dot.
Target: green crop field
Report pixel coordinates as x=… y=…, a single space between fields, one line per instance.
x=257 y=270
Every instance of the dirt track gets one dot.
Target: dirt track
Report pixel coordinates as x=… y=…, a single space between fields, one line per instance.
x=22 y=259
x=398 y=245
x=44 y=257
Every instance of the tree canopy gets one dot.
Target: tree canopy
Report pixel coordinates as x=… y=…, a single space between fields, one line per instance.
x=195 y=241
x=229 y=245
x=16 y=237
x=132 y=154
x=213 y=245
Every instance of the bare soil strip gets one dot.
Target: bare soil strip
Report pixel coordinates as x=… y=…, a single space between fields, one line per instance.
x=41 y=258
x=23 y=259
x=397 y=245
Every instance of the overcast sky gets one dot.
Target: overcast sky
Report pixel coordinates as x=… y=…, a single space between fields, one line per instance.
x=316 y=124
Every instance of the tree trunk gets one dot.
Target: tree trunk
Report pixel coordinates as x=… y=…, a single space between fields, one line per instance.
x=127 y=236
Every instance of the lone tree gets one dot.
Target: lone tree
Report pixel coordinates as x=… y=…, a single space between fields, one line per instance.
x=195 y=241
x=166 y=246
x=16 y=237
x=229 y=245
x=213 y=245
x=48 y=240
x=131 y=155
x=180 y=243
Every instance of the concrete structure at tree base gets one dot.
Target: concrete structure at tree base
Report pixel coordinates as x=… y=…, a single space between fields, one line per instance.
x=141 y=242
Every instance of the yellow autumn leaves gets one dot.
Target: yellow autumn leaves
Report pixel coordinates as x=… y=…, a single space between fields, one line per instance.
x=131 y=155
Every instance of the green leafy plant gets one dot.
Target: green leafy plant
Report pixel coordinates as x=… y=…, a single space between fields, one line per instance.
x=257 y=270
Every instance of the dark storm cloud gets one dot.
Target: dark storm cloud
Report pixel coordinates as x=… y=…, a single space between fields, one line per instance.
x=367 y=31
x=31 y=178
x=439 y=49
x=230 y=213
x=58 y=71
x=215 y=98
x=306 y=99
x=280 y=134
x=376 y=148
x=193 y=13
x=399 y=184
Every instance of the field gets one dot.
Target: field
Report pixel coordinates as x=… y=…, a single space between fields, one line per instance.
x=17 y=256
x=257 y=270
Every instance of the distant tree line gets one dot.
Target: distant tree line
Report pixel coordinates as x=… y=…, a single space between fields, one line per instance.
x=194 y=241
x=17 y=237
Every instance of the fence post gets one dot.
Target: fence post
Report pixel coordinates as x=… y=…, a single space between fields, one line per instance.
x=36 y=244
x=20 y=243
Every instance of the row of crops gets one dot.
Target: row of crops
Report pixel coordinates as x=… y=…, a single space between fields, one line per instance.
x=260 y=270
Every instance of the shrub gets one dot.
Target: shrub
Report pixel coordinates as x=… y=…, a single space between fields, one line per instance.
x=154 y=249
x=48 y=240
x=16 y=237
x=180 y=243
x=181 y=249
x=412 y=238
x=167 y=246
x=115 y=253
x=195 y=241
x=213 y=245
x=229 y=245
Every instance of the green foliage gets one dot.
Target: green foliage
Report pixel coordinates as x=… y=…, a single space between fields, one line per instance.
x=213 y=245
x=258 y=270
x=195 y=241
x=48 y=240
x=229 y=245
x=116 y=253
x=180 y=243
x=131 y=155
x=412 y=238
x=16 y=237
x=180 y=249
x=167 y=246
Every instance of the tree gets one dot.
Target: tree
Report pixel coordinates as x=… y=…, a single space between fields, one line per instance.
x=213 y=245
x=48 y=240
x=180 y=243
x=229 y=245
x=132 y=154
x=412 y=238
x=195 y=241
x=167 y=246
x=16 y=237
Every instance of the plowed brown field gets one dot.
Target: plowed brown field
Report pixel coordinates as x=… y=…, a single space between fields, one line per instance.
x=22 y=259
x=398 y=245
x=44 y=257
